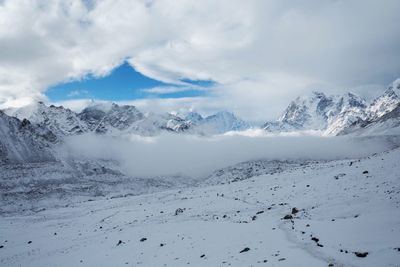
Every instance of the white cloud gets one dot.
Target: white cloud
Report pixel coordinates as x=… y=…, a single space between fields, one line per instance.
x=261 y=52
x=76 y=93
x=160 y=90
x=175 y=154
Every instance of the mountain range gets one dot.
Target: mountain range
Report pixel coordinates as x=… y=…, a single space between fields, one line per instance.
x=340 y=114
x=27 y=132
x=114 y=119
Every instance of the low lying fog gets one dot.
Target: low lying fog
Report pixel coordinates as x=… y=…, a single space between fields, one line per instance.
x=198 y=156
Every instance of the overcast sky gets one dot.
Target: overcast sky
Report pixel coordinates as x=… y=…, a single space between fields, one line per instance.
x=259 y=53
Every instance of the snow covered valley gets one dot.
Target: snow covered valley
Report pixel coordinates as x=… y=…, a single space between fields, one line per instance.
x=327 y=213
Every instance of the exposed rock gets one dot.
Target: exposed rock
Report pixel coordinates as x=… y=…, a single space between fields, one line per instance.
x=361 y=254
x=178 y=211
x=288 y=217
x=294 y=211
x=244 y=250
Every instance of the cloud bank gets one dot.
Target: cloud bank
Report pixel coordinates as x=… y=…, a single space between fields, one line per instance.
x=259 y=51
x=199 y=156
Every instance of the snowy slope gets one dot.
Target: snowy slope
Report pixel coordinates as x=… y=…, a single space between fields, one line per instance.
x=21 y=141
x=387 y=124
x=342 y=208
x=349 y=108
x=388 y=101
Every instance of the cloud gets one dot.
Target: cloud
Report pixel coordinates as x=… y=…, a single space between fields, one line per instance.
x=198 y=156
x=258 y=51
x=76 y=93
x=160 y=90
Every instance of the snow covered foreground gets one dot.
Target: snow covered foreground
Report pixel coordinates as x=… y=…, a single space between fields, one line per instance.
x=337 y=209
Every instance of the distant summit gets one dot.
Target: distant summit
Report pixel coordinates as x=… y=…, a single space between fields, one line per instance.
x=333 y=115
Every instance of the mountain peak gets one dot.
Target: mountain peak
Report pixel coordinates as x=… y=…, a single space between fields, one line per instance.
x=318 y=94
x=395 y=85
x=193 y=117
x=332 y=114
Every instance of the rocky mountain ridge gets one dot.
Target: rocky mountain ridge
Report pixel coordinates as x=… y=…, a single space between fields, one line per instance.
x=335 y=114
x=114 y=119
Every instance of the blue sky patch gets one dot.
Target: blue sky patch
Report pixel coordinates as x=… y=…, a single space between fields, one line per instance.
x=124 y=83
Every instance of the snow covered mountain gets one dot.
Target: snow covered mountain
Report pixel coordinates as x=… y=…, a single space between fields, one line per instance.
x=154 y=124
x=102 y=118
x=334 y=114
x=113 y=119
x=387 y=124
x=21 y=141
x=222 y=122
x=282 y=212
x=218 y=123
x=61 y=121
x=387 y=102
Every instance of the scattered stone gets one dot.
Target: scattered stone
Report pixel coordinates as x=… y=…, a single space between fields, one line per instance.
x=361 y=254
x=29 y=242
x=178 y=211
x=265 y=260
x=143 y=239
x=162 y=244
x=254 y=218
x=282 y=259
x=315 y=239
x=295 y=210
x=244 y=250
x=259 y=212
x=330 y=265
x=365 y=172
x=203 y=255
x=288 y=217
x=319 y=245
x=1 y=246
x=398 y=249
x=120 y=242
